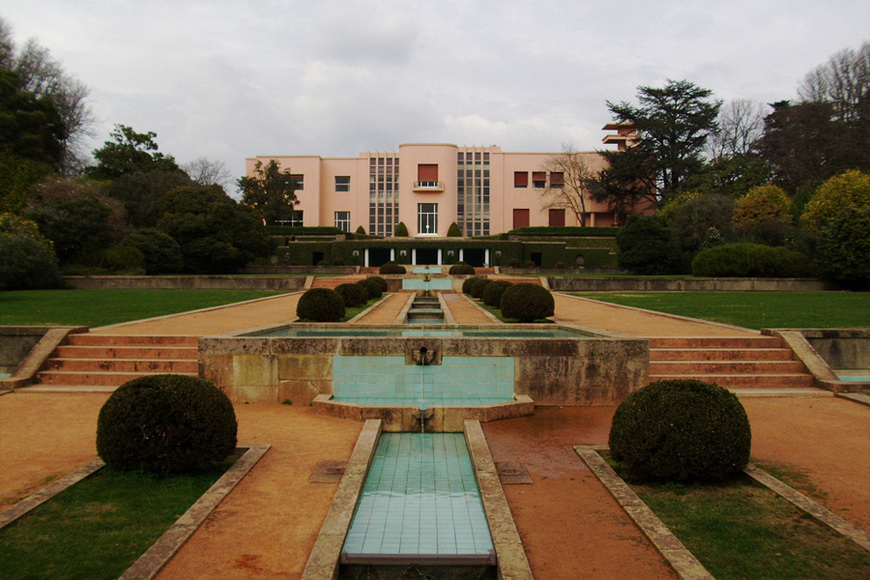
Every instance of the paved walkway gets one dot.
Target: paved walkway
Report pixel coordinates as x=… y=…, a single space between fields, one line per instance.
x=570 y=527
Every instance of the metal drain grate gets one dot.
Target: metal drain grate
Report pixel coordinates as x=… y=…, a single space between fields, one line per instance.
x=512 y=473
x=328 y=471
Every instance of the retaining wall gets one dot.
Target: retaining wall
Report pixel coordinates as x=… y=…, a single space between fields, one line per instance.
x=605 y=284
x=289 y=283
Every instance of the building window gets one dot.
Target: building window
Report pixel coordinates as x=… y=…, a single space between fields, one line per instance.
x=294 y=221
x=342 y=220
x=300 y=181
x=427 y=175
x=342 y=183
x=557 y=218
x=557 y=179
x=521 y=218
x=539 y=179
x=521 y=178
x=427 y=218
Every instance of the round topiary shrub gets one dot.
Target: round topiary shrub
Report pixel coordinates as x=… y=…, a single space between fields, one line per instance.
x=681 y=430
x=166 y=424
x=372 y=288
x=492 y=293
x=560 y=265
x=321 y=305
x=515 y=263
x=461 y=269
x=527 y=302
x=529 y=264
x=353 y=294
x=392 y=268
x=468 y=284
x=380 y=282
x=479 y=286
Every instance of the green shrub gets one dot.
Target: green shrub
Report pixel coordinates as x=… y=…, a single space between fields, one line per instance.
x=750 y=260
x=320 y=305
x=161 y=252
x=166 y=424
x=527 y=302
x=372 y=288
x=468 y=284
x=515 y=263
x=681 y=430
x=25 y=264
x=493 y=292
x=401 y=230
x=380 y=282
x=560 y=265
x=848 y=189
x=700 y=223
x=461 y=269
x=454 y=231
x=352 y=294
x=529 y=264
x=844 y=248
x=361 y=230
x=479 y=286
x=646 y=246
x=392 y=268
x=338 y=262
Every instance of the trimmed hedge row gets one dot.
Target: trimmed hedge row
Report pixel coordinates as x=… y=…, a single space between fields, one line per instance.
x=746 y=260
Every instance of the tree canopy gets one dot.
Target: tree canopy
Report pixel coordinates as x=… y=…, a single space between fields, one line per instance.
x=272 y=191
x=129 y=152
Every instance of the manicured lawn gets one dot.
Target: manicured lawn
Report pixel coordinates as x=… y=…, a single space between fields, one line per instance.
x=100 y=526
x=740 y=529
x=754 y=309
x=103 y=307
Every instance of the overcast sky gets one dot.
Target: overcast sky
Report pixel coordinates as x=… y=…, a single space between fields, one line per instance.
x=228 y=79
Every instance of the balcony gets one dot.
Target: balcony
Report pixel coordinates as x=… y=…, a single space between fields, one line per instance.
x=429 y=186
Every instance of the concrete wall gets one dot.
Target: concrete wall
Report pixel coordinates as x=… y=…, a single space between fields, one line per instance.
x=16 y=342
x=598 y=370
x=186 y=282
x=688 y=285
x=841 y=348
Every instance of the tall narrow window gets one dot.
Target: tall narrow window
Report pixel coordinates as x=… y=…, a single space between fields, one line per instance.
x=521 y=178
x=427 y=219
x=342 y=220
x=342 y=183
x=557 y=217
x=557 y=179
x=539 y=179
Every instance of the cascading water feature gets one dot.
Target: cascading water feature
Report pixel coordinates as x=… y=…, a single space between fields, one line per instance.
x=422 y=401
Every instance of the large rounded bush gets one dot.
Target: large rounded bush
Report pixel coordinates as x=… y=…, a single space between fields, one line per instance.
x=647 y=246
x=479 y=286
x=461 y=269
x=750 y=260
x=321 y=305
x=493 y=292
x=848 y=189
x=372 y=288
x=380 y=282
x=844 y=248
x=468 y=284
x=392 y=268
x=681 y=430
x=527 y=302
x=25 y=264
x=161 y=252
x=353 y=294
x=166 y=424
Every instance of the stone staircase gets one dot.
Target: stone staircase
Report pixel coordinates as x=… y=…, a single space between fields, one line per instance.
x=763 y=362
x=108 y=361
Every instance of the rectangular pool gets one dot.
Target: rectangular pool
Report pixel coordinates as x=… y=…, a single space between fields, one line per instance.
x=397 y=332
x=420 y=498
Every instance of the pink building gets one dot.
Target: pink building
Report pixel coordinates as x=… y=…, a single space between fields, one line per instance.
x=429 y=186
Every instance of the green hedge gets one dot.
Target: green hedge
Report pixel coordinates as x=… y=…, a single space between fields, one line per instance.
x=565 y=231
x=750 y=260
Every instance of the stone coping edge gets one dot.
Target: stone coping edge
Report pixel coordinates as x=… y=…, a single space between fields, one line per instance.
x=672 y=549
x=157 y=556
x=324 y=558
x=510 y=555
x=822 y=514
x=485 y=312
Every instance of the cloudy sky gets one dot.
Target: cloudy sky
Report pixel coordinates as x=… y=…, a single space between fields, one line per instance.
x=230 y=79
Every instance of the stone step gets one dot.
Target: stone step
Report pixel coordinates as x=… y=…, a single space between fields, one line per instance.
x=728 y=367
x=127 y=352
x=116 y=365
x=91 y=378
x=709 y=354
x=89 y=339
x=715 y=342
x=745 y=381
x=332 y=281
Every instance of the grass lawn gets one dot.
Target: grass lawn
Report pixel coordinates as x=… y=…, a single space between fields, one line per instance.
x=754 y=309
x=100 y=526
x=741 y=529
x=103 y=307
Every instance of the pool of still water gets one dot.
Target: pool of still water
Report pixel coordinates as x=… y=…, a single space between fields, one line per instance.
x=420 y=497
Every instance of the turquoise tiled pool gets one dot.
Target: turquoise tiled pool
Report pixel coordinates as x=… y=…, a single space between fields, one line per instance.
x=433 y=284
x=427 y=270
x=388 y=381
x=420 y=498
x=397 y=332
